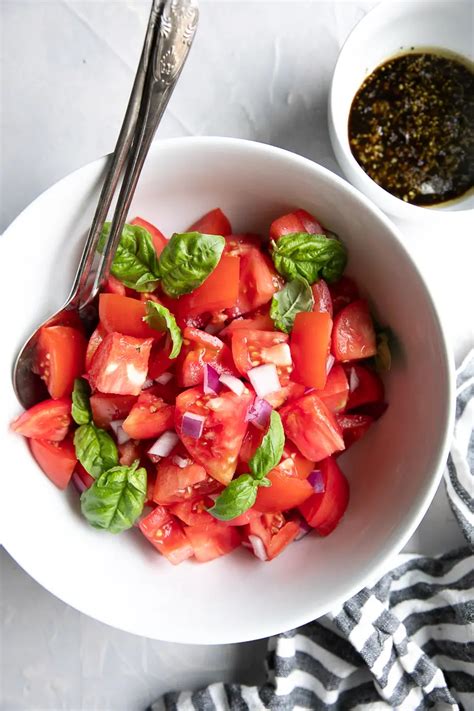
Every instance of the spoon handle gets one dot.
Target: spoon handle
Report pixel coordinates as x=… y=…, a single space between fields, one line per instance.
x=116 y=164
x=173 y=35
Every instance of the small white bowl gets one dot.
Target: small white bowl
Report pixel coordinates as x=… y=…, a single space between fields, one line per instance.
x=393 y=472
x=389 y=29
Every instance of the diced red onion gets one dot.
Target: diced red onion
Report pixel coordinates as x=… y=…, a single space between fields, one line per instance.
x=147 y=384
x=316 y=480
x=211 y=380
x=305 y=528
x=233 y=383
x=329 y=363
x=78 y=483
x=259 y=413
x=193 y=424
x=258 y=547
x=181 y=462
x=353 y=380
x=264 y=379
x=120 y=433
x=164 y=444
x=164 y=378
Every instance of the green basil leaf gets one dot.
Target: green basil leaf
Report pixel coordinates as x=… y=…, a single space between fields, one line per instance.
x=135 y=262
x=95 y=449
x=309 y=256
x=81 y=409
x=269 y=453
x=239 y=496
x=187 y=260
x=383 y=357
x=296 y=296
x=115 y=500
x=161 y=318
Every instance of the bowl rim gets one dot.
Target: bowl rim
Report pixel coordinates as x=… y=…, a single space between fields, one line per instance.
x=339 y=140
x=396 y=540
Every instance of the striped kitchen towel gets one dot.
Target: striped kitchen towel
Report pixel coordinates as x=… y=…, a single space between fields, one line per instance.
x=407 y=643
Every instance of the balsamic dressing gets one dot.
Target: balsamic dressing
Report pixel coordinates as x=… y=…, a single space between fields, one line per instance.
x=411 y=127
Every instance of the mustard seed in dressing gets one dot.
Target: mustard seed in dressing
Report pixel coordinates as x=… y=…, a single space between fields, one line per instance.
x=411 y=127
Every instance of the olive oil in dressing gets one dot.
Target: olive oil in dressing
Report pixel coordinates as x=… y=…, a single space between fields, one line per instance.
x=411 y=126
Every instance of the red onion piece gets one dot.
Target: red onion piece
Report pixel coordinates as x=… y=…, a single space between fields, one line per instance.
x=211 y=380
x=305 y=528
x=147 y=384
x=329 y=363
x=193 y=424
x=164 y=444
x=259 y=413
x=316 y=480
x=120 y=433
x=264 y=379
x=181 y=462
x=353 y=380
x=258 y=547
x=233 y=383
x=78 y=483
x=164 y=378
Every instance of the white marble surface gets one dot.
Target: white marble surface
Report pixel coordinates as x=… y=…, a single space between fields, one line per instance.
x=258 y=70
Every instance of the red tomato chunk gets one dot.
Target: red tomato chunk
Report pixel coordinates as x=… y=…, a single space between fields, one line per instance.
x=120 y=364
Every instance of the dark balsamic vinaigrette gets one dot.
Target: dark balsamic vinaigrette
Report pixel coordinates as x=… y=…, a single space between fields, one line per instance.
x=411 y=127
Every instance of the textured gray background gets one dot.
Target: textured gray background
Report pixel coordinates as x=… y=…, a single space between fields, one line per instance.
x=258 y=70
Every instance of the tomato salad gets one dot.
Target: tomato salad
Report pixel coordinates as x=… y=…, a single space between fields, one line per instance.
x=226 y=374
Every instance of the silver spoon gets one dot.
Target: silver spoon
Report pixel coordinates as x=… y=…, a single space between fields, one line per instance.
x=169 y=35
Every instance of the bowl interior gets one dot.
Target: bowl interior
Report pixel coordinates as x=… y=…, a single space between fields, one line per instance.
x=121 y=580
x=393 y=28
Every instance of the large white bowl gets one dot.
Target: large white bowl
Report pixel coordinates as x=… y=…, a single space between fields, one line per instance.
x=393 y=473
x=393 y=27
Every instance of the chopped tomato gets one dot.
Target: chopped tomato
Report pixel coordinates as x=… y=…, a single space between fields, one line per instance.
x=290 y=392
x=224 y=428
x=312 y=427
x=158 y=238
x=201 y=348
x=85 y=477
x=273 y=531
x=108 y=407
x=322 y=297
x=49 y=420
x=218 y=291
x=67 y=317
x=94 y=342
x=343 y=292
x=253 y=348
x=310 y=341
x=301 y=467
x=213 y=222
x=56 y=459
x=258 y=281
x=120 y=364
x=193 y=512
x=166 y=534
x=129 y=452
x=353 y=335
x=252 y=439
x=60 y=358
x=293 y=222
x=365 y=386
x=210 y=541
x=324 y=511
x=353 y=426
x=336 y=391
x=122 y=314
x=259 y=321
x=149 y=417
x=286 y=491
x=176 y=483
x=243 y=519
x=167 y=391
x=114 y=286
x=160 y=362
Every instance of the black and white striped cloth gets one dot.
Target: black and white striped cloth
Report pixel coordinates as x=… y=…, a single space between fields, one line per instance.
x=407 y=643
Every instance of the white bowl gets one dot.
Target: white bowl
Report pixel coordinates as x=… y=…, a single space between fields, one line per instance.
x=391 y=28
x=394 y=472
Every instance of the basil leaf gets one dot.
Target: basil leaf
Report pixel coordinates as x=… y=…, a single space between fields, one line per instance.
x=239 y=496
x=309 y=256
x=95 y=449
x=161 y=318
x=187 y=260
x=116 y=498
x=269 y=453
x=296 y=296
x=81 y=409
x=135 y=262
